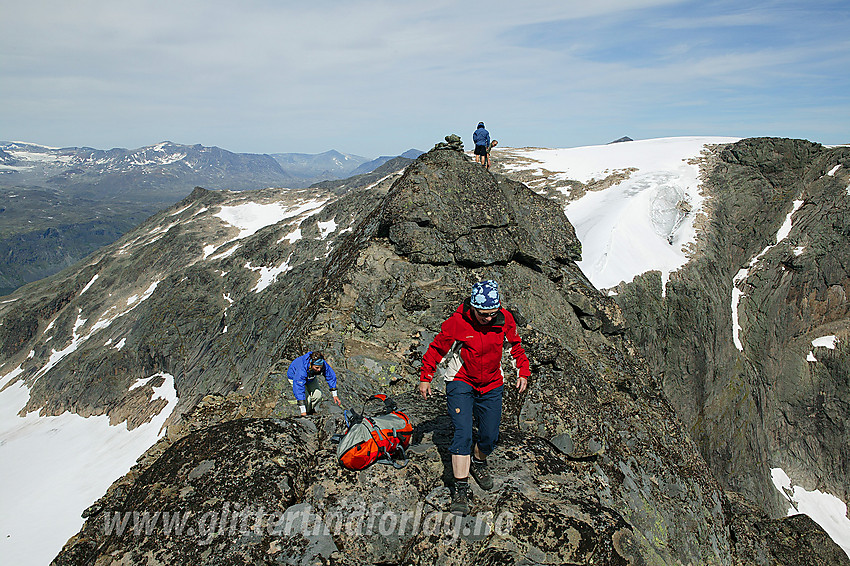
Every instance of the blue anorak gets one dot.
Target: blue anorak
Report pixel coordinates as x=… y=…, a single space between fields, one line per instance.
x=481 y=137
x=299 y=373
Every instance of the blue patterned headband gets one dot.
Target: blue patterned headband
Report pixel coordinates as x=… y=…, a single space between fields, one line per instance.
x=485 y=295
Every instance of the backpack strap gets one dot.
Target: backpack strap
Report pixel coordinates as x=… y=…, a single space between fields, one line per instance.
x=399 y=465
x=387 y=460
x=389 y=404
x=351 y=418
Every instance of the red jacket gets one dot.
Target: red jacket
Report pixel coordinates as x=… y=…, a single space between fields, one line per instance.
x=474 y=351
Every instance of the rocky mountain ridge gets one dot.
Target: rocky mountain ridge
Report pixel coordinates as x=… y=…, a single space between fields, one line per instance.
x=755 y=375
x=733 y=332
x=594 y=460
x=378 y=161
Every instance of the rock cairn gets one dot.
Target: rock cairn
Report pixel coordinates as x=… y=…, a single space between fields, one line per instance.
x=453 y=141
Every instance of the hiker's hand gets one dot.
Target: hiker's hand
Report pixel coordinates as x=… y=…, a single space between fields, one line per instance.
x=303 y=413
x=521 y=384
x=337 y=401
x=425 y=389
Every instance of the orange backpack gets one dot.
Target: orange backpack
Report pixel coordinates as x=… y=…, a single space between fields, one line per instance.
x=382 y=438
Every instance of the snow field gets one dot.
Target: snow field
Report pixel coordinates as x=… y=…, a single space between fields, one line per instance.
x=636 y=225
x=251 y=217
x=54 y=467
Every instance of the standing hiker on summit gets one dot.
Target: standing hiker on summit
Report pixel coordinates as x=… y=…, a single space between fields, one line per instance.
x=472 y=340
x=302 y=375
x=481 y=138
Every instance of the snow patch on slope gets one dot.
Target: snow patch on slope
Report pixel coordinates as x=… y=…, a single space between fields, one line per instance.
x=826 y=510
x=268 y=275
x=57 y=356
x=90 y=283
x=326 y=228
x=54 y=467
x=823 y=342
x=741 y=276
x=636 y=225
x=251 y=217
x=293 y=236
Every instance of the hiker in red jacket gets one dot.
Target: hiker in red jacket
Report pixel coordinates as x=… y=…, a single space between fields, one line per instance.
x=472 y=341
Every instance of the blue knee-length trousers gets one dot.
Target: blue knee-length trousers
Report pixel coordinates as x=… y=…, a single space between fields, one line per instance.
x=464 y=403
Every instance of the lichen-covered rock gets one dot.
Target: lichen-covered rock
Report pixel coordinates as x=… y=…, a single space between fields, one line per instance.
x=796 y=540
x=442 y=210
x=215 y=496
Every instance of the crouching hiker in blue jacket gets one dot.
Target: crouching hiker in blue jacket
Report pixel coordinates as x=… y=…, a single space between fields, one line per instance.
x=302 y=375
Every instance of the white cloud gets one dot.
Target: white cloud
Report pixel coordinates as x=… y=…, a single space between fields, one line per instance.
x=374 y=76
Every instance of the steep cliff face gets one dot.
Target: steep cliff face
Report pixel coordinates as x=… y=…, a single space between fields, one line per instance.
x=593 y=467
x=751 y=335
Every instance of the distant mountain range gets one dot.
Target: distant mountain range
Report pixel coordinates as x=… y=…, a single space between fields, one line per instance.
x=57 y=205
x=370 y=166
x=331 y=165
x=165 y=172
x=155 y=172
x=314 y=167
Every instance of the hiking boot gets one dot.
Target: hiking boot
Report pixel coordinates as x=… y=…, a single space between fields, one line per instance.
x=481 y=475
x=460 y=500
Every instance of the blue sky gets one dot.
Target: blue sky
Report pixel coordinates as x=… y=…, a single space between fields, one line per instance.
x=377 y=77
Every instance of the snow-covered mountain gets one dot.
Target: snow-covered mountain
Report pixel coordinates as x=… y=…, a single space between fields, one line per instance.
x=127 y=347
x=57 y=205
x=158 y=172
x=166 y=164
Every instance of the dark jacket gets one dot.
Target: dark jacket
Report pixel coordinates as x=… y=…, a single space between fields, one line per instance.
x=481 y=136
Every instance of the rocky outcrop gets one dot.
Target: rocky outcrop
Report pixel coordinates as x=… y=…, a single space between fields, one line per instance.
x=593 y=467
x=789 y=540
x=442 y=214
x=767 y=404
